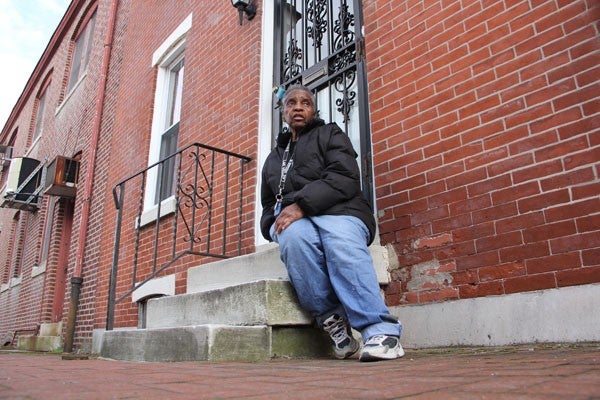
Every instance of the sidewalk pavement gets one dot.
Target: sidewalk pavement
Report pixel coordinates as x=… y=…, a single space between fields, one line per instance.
x=519 y=372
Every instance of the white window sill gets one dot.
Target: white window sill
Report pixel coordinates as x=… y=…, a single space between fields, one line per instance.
x=38 y=270
x=68 y=96
x=32 y=150
x=15 y=281
x=163 y=286
x=167 y=207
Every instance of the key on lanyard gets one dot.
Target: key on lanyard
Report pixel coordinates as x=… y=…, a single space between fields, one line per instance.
x=286 y=164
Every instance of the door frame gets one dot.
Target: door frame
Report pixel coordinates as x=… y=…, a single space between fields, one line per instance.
x=266 y=108
x=58 y=301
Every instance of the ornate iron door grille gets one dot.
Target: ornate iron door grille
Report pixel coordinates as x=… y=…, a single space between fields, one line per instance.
x=319 y=44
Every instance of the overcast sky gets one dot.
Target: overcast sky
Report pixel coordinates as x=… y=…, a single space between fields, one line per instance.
x=25 y=29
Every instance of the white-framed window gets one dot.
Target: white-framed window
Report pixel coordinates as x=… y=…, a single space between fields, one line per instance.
x=16 y=252
x=39 y=116
x=46 y=236
x=170 y=127
x=169 y=59
x=81 y=53
x=5 y=160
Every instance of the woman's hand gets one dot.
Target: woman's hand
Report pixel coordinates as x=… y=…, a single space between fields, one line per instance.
x=288 y=215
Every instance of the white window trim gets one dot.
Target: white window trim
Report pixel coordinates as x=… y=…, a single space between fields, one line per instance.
x=166 y=53
x=70 y=94
x=81 y=78
x=38 y=129
x=46 y=237
x=38 y=269
x=265 y=106
x=15 y=280
x=32 y=150
x=163 y=286
x=167 y=46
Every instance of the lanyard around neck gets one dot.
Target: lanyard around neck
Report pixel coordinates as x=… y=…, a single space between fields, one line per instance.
x=287 y=160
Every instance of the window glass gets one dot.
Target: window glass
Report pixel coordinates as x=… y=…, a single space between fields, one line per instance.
x=47 y=230
x=81 y=54
x=39 y=119
x=16 y=251
x=170 y=134
x=175 y=93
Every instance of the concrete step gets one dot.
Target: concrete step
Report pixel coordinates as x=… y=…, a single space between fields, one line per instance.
x=214 y=342
x=40 y=343
x=264 y=264
x=242 y=308
x=266 y=302
x=48 y=339
x=246 y=322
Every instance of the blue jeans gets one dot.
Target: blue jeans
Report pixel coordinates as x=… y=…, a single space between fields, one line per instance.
x=330 y=267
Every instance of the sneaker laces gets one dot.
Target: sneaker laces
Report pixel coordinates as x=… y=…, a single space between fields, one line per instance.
x=376 y=340
x=337 y=329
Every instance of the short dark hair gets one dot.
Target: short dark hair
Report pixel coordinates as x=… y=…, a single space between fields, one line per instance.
x=294 y=87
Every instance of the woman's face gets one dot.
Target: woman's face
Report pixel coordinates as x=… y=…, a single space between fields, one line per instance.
x=298 y=109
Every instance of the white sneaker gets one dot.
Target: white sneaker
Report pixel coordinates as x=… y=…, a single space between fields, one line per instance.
x=344 y=344
x=381 y=347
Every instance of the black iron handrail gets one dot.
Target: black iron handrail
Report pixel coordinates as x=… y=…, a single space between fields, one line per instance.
x=203 y=193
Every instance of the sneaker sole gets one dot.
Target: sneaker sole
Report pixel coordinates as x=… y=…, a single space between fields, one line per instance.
x=391 y=354
x=342 y=356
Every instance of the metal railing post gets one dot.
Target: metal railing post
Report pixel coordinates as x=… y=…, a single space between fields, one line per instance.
x=112 y=285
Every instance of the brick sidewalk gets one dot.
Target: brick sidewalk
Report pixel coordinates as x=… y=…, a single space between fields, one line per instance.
x=523 y=372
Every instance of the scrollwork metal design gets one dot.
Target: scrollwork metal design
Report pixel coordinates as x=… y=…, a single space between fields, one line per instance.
x=316 y=12
x=344 y=35
x=342 y=60
x=343 y=84
x=194 y=197
x=291 y=67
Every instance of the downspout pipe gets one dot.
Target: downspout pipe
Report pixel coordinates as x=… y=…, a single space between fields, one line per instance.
x=77 y=278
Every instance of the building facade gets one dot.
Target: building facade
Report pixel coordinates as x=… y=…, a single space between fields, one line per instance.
x=49 y=132
x=476 y=126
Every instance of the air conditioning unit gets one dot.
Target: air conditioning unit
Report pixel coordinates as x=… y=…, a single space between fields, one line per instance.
x=23 y=184
x=62 y=175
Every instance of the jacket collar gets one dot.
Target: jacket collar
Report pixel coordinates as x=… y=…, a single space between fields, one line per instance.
x=284 y=137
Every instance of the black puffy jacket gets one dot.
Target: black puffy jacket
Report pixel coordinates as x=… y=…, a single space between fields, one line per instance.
x=324 y=179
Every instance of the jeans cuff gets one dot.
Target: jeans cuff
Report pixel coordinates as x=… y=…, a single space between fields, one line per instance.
x=383 y=328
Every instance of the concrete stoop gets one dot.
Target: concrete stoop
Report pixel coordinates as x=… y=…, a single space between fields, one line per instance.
x=48 y=339
x=214 y=343
x=265 y=302
x=242 y=308
x=247 y=322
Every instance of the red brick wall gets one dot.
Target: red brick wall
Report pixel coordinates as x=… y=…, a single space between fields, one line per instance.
x=67 y=119
x=485 y=123
x=89 y=296
x=222 y=61
x=67 y=123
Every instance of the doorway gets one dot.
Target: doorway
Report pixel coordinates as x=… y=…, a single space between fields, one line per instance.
x=319 y=44
x=67 y=207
